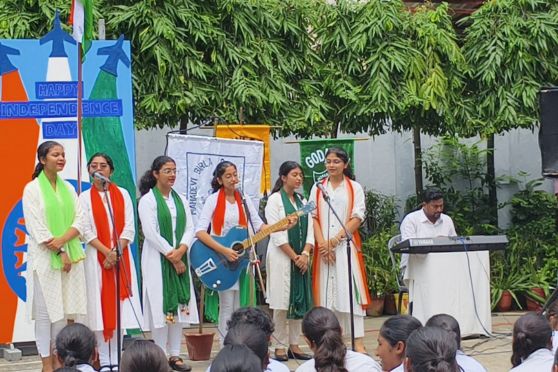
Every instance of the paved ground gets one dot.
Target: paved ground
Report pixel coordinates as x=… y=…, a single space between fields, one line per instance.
x=494 y=353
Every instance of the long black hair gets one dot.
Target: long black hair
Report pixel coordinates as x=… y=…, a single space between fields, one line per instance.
x=531 y=332
x=322 y=328
x=284 y=170
x=253 y=337
x=431 y=349
x=148 y=180
x=103 y=155
x=398 y=328
x=75 y=345
x=448 y=323
x=144 y=356
x=235 y=358
x=42 y=152
x=342 y=154
x=218 y=173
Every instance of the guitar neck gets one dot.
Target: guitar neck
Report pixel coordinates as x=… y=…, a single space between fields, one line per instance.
x=262 y=234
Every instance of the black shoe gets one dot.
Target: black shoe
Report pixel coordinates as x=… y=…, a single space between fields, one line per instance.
x=174 y=364
x=283 y=357
x=299 y=356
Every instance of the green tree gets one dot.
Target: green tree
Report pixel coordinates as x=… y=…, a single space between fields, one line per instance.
x=511 y=47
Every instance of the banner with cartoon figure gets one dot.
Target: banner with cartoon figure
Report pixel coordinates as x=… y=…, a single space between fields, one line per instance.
x=312 y=158
x=38 y=102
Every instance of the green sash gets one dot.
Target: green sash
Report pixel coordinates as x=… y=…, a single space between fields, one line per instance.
x=300 y=298
x=60 y=212
x=176 y=288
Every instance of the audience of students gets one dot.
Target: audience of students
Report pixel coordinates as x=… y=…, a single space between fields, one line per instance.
x=236 y=358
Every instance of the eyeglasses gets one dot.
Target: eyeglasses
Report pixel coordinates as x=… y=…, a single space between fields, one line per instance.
x=169 y=171
x=98 y=165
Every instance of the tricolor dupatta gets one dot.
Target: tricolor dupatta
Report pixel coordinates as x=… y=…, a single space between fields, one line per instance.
x=108 y=276
x=361 y=286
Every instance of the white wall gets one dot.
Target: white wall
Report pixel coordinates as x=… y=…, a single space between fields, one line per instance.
x=385 y=163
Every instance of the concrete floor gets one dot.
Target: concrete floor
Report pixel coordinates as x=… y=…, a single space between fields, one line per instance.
x=494 y=353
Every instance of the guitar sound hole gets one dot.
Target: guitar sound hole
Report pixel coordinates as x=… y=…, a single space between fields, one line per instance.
x=238 y=249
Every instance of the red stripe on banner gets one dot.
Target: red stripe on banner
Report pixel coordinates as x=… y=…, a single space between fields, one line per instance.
x=18 y=139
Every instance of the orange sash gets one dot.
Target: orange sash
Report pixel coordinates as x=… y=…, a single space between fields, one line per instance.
x=317 y=261
x=218 y=220
x=108 y=286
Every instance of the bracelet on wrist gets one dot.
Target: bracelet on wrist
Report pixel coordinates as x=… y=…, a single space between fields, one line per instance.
x=305 y=253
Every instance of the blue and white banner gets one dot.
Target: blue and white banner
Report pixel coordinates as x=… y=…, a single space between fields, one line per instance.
x=197 y=156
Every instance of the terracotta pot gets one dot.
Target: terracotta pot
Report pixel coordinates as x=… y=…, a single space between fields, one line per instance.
x=199 y=345
x=505 y=302
x=533 y=305
x=390 y=308
x=376 y=307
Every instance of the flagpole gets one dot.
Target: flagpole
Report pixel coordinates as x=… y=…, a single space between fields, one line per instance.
x=79 y=114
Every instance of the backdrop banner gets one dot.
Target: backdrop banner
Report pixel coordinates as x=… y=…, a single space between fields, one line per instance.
x=38 y=102
x=258 y=132
x=197 y=156
x=312 y=158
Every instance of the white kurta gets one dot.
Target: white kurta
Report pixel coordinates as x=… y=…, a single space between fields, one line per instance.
x=153 y=246
x=354 y=362
x=64 y=293
x=230 y=220
x=539 y=360
x=278 y=264
x=439 y=283
x=93 y=270
x=334 y=290
x=467 y=363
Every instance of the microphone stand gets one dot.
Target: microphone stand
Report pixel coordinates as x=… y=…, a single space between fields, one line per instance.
x=118 y=258
x=255 y=262
x=349 y=239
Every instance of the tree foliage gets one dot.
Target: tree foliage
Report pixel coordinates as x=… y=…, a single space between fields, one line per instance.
x=511 y=47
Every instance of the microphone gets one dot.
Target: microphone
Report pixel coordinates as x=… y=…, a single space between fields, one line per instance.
x=320 y=186
x=100 y=177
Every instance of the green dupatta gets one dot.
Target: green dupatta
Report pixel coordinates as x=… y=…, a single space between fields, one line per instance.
x=176 y=288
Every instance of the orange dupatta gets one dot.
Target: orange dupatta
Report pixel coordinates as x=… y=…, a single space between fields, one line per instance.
x=108 y=276
x=218 y=220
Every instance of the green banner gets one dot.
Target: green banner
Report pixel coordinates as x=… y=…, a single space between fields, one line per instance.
x=312 y=158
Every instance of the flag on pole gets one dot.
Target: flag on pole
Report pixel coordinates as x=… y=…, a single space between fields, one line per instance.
x=81 y=19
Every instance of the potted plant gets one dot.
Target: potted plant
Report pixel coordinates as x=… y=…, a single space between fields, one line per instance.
x=380 y=276
x=505 y=284
x=535 y=294
x=200 y=344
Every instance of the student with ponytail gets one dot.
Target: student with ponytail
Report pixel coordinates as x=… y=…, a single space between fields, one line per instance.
x=322 y=332
x=289 y=291
x=55 y=273
x=76 y=347
x=330 y=264
x=532 y=344
x=169 y=300
x=431 y=349
x=100 y=261
x=223 y=210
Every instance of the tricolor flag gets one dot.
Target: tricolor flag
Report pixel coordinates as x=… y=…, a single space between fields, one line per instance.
x=81 y=18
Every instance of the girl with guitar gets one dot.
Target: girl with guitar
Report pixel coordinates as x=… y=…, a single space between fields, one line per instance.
x=222 y=211
x=330 y=274
x=169 y=300
x=288 y=263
